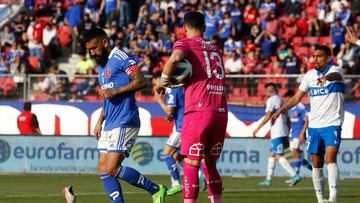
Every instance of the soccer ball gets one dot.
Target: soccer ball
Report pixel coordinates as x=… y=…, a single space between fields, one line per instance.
x=182 y=72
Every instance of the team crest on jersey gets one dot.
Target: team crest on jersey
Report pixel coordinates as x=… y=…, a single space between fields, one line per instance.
x=108 y=73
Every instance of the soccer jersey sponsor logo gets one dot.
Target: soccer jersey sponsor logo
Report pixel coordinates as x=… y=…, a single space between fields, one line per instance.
x=216 y=149
x=108 y=85
x=196 y=149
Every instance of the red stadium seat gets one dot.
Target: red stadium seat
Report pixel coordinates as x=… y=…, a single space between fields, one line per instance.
x=91 y=98
x=325 y=41
x=297 y=41
x=312 y=11
x=303 y=51
x=34 y=62
x=311 y=40
x=236 y=91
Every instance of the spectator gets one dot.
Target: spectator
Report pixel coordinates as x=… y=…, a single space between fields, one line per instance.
x=81 y=30
x=34 y=34
x=44 y=89
x=73 y=19
x=302 y=25
x=231 y=45
x=125 y=13
x=58 y=16
x=61 y=82
x=110 y=8
x=92 y=8
x=250 y=17
x=344 y=15
x=267 y=42
x=234 y=65
x=291 y=65
x=337 y=34
x=226 y=27
x=6 y=36
x=27 y=121
x=236 y=15
x=292 y=7
x=49 y=40
x=212 y=24
x=346 y=55
x=85 y=66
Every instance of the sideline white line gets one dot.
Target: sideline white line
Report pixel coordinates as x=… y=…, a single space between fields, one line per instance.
x=135 y=192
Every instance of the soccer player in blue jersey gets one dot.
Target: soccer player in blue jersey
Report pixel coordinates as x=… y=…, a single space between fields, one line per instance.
x=174 y=109
x=298 y=126
x=325 y=87
x=119 y=78
x=279 y=137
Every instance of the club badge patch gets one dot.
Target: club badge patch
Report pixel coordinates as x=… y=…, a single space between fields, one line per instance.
x=108 y=73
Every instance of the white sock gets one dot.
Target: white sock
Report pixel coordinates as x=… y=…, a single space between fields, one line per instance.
x=174 y=182
x=333 y=178
x=285 y=164
x=318 y=181
x=270 y=169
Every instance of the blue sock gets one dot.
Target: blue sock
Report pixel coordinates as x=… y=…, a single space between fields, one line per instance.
x=133 y=177
x=112 y=187
x=172 y=166
x=306 y=163
x=296 y=163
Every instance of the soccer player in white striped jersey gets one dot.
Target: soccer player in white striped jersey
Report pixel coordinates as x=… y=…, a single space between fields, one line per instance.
x=279 y=137
x=325 y=87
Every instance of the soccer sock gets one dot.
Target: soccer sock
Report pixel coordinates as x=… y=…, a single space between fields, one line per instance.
x=190 y=182
x=173 y=169
x=333 y=178
x=112 y=187
x=133 y=177
x=306 y=163
x=295 y=164
x=318 y=181
x=270 y=169
x=215 y=198
x=285 y=164
x=213 y=179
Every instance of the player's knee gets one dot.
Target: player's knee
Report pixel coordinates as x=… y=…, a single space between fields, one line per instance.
x=330 y=160
x=101 y=168
x=111 y=170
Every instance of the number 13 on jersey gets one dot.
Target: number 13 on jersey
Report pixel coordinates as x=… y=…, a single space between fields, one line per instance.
x=213 y=56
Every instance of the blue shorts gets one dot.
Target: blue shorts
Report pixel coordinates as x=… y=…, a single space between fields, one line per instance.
x=320 y=138
x=278 y=145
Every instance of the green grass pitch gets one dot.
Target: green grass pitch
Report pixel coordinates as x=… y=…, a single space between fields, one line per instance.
x=34 y=188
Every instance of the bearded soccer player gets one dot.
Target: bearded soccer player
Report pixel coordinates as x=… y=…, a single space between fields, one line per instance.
x=119 y=78
x=205 y=118
x=325 y=87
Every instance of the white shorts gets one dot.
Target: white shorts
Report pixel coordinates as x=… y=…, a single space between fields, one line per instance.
x=295 y=144
x=119 y=140
x=174 y=139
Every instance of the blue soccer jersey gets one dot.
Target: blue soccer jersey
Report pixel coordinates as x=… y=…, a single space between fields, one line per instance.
x=297 y=116
x=175 y=97
x=121 y=110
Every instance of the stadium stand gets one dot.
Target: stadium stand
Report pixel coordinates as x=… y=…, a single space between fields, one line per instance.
x=150 y=28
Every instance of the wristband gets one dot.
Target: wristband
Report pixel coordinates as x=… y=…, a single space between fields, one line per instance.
x=164 y=80
x=358 y=42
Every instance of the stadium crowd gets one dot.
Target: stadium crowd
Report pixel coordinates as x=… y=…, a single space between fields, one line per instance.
x=257 y=37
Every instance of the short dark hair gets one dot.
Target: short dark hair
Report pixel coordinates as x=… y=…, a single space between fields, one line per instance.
x=271 y=84
x=323 y=48
x=94 y=33
x=27 y=106
x=289 y=93
x=194 y=19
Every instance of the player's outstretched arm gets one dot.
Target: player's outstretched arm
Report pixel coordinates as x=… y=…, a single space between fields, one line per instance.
x=263 y=122
x=169 y=68
x=335 y=76
x=291 y=103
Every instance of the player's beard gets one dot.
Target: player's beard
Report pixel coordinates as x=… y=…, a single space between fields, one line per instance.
x=102 y=59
